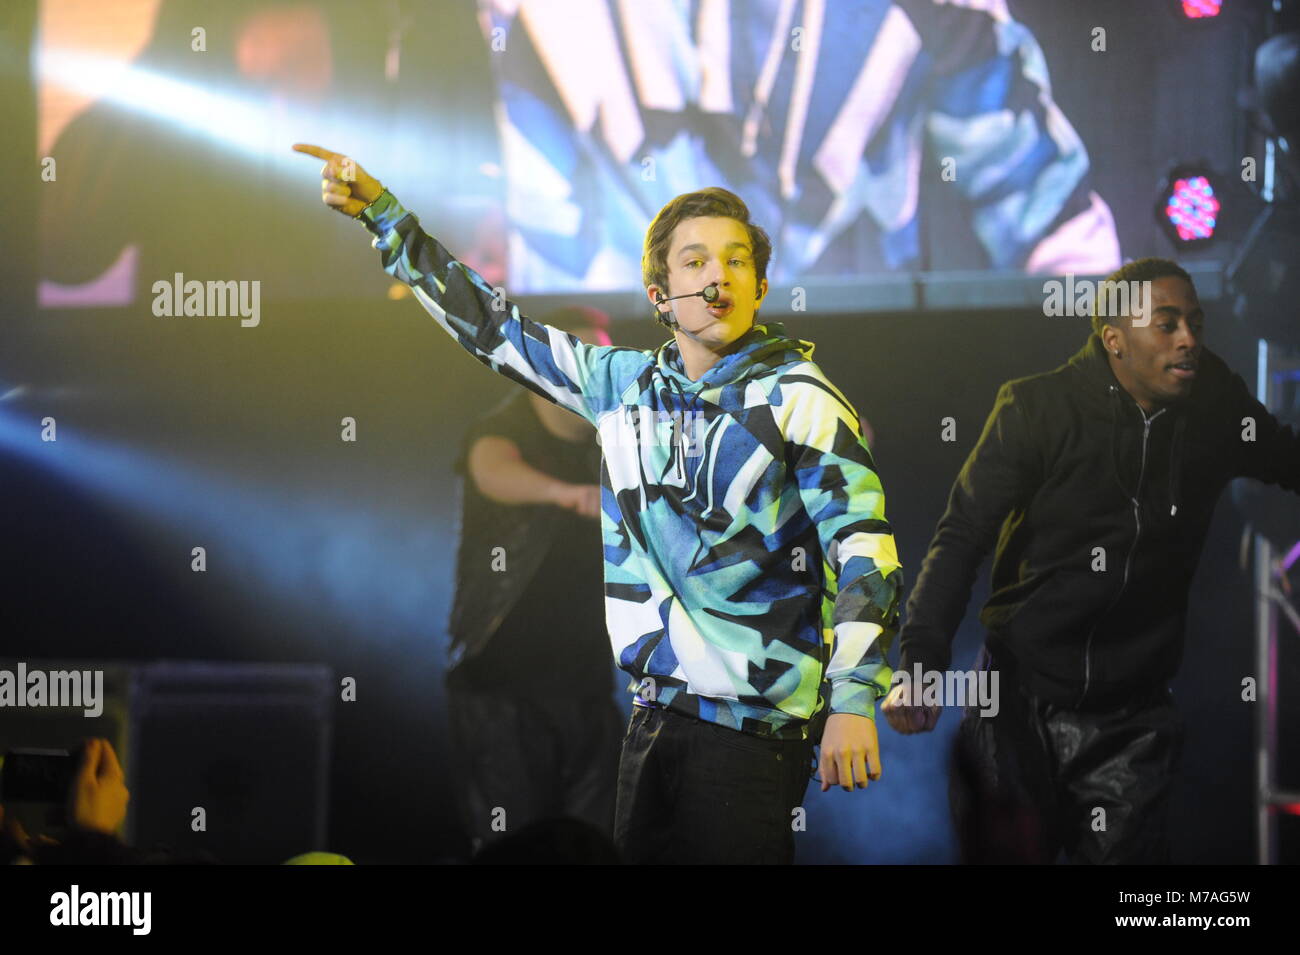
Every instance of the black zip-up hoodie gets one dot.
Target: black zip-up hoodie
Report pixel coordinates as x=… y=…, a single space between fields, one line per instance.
x=1099 y=513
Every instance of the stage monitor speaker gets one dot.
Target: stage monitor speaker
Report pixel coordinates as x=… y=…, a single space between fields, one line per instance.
x=228 y=762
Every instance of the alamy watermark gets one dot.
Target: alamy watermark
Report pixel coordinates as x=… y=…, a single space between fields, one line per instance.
x=209 y=299
x=1079 y=298
x=77 y=907
x=61 y=688
x=644 y=427
x=974 y=689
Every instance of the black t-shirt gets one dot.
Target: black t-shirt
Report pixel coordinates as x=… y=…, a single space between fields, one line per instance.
x=555 y=633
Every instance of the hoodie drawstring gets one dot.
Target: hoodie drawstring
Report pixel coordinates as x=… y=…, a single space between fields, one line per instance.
x=682 y=423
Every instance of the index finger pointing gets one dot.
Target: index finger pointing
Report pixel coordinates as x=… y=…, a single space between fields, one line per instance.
x=316 y=151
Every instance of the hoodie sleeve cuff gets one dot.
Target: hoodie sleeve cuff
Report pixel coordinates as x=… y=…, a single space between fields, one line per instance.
x=855 y=699
x=382 y=215
x=927 y=657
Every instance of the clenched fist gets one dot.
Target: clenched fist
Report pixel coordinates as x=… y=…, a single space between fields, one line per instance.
x=98 y=798
x=907 y=715
x=344 y=184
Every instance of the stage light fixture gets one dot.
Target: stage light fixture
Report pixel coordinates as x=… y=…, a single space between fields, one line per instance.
x=1201 y=9
x=1189 y=206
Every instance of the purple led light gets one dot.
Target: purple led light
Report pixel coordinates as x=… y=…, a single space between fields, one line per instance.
x=1198 y=9
x=1192 y=208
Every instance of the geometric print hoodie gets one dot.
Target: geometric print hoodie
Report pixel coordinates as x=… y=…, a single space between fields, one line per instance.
x=747 y=556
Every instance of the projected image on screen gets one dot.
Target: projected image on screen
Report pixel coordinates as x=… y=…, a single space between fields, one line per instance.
x=833 y=119
x=538 y=138
x=168 y=124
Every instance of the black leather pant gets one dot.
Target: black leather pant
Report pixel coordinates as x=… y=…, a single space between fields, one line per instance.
x=520 y=761
x=1038 y=779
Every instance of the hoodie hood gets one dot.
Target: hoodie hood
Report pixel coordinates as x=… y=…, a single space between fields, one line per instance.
x=756 y=353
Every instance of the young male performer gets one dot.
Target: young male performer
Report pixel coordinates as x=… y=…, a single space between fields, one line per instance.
x=747 y=556
x=1096 y=481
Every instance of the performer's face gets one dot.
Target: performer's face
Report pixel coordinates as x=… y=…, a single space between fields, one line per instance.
x=704 y=251
x=1157 y=361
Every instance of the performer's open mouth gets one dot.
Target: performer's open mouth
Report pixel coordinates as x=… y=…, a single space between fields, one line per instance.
x=720 y=308
x=1184 y=369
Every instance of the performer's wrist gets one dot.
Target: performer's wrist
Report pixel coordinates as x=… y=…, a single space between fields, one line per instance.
x=382 y=189
x=381 y=216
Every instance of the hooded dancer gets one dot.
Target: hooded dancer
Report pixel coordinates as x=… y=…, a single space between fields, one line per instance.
x=1096 y=483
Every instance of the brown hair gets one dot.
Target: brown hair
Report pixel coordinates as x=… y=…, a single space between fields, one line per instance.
x=713 y=201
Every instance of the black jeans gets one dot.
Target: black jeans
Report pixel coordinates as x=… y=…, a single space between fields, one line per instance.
x=1038 y=779
x=690 y=791
x=523 y=760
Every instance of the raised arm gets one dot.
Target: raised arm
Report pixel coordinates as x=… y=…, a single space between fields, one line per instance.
x=554 y=364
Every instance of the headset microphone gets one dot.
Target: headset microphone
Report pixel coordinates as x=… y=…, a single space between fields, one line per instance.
x=709 y=293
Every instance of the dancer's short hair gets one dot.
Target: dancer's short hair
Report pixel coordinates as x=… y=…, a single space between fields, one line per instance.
x=1140 y=270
